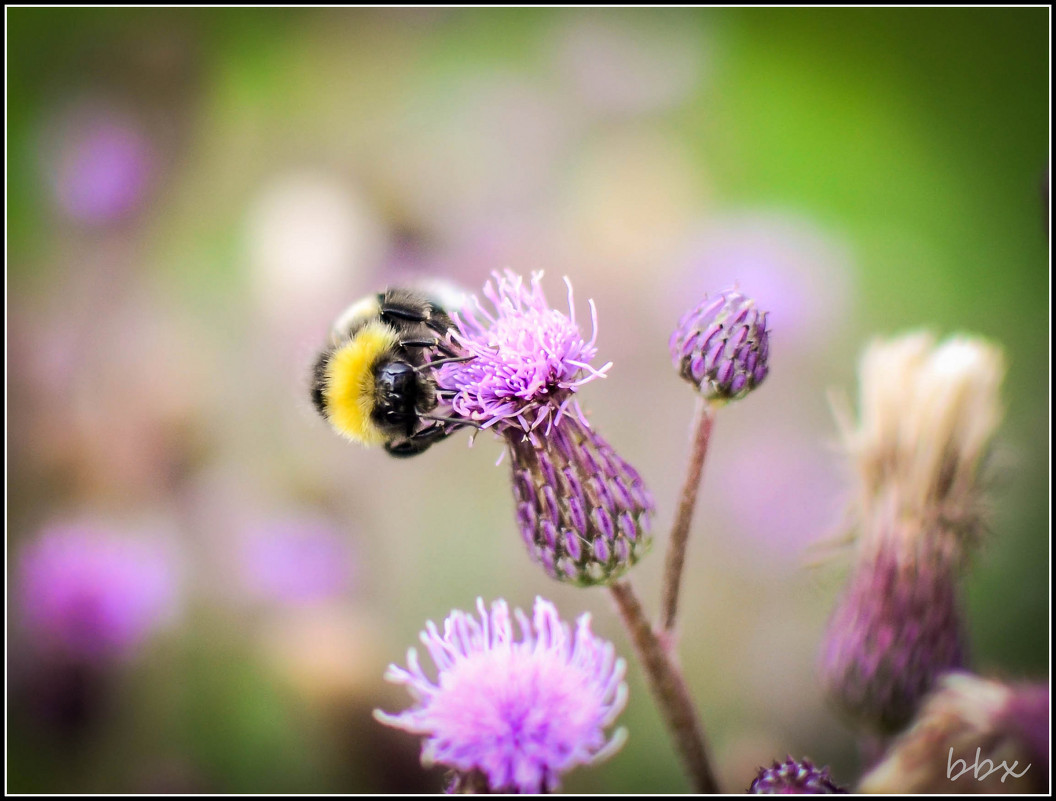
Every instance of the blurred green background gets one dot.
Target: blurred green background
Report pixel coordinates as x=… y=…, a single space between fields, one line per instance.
x=193 y=195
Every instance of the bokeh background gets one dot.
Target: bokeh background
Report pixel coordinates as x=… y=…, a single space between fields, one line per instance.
x=193 y=195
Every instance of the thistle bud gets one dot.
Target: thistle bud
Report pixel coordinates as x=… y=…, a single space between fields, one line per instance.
x=792 y=777
x=721 y=346
x=972 y=735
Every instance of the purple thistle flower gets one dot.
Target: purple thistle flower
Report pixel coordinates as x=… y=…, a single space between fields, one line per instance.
x=965 y=722
x=529 y=358
x=722 y=345
x=583 y=512
x=92 y=594
x=794 y=778
x=517 y=713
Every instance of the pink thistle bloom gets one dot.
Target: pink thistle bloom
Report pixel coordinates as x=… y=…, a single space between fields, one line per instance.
x=529 y=358
x=513 y=714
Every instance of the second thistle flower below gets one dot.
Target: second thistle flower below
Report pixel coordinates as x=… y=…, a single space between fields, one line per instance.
x=583 y=511
x=509 y=714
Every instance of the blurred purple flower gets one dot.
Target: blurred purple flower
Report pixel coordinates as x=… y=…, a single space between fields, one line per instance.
x=100 y=166
x=513 y=715
x=896 y=629
x=296 y=560
x=782 y=489
x=529 y=358
x=92 y=593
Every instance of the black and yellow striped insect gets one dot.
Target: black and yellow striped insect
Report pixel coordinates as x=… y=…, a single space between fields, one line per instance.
x=375 y=383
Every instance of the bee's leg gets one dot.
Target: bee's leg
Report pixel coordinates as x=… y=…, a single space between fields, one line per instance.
x=417 y=442
x=433 y=318
x=428 y=343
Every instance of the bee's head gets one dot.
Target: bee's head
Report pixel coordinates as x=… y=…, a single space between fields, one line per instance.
x=396 y=396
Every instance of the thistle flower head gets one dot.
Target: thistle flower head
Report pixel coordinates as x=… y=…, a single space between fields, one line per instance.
x=518 y=711
x=92 y=594
x=529 y=359
x=582 y=510
x=721 y=346
x=794 y=777
x=966 y=721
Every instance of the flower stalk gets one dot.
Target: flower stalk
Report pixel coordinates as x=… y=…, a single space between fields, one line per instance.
x=668 y=687
x=704 y=419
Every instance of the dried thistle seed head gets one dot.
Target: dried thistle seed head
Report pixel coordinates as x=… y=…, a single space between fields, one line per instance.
x=513 y=714
x=584 y=512
x=722 y=345
x=965 y=722
x=794 y=777
x=928 y=415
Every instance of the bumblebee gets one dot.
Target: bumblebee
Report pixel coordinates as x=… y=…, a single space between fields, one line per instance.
x=374 y=382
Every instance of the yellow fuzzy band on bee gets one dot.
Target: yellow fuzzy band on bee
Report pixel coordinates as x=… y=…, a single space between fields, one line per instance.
x=349 y=385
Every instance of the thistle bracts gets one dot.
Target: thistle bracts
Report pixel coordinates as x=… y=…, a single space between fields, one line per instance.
x=896 y=629
x=794 y=777
x=583 y=512
x=965 y=722
x=722 y=345
x=928 y=414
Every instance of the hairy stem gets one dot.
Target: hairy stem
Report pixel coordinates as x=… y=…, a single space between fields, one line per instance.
x=676 y=549
x=668 y=688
